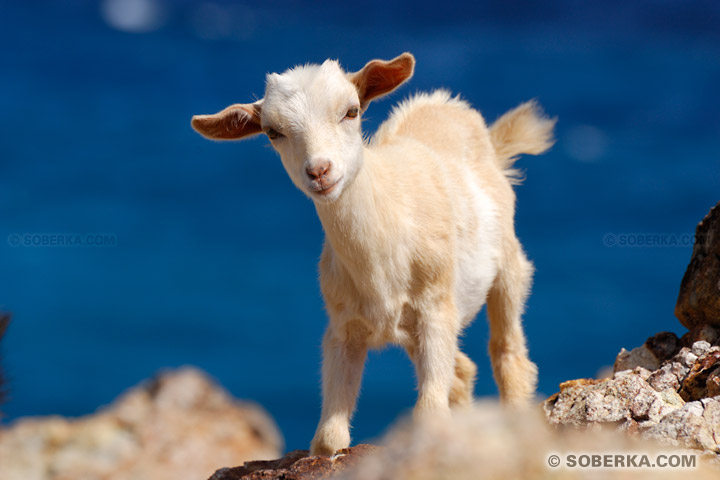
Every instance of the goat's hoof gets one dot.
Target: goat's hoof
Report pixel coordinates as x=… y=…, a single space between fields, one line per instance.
x=321 y=450
x=329 y=440
x=320 y=447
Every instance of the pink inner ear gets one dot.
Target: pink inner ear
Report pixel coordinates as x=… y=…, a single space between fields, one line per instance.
x=235 y=122
x=383 y=79
x=379 y=77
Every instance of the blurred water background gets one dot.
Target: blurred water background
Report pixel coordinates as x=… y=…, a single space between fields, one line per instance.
x=212 y=262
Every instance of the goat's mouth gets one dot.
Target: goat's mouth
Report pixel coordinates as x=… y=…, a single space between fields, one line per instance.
x=323 y=189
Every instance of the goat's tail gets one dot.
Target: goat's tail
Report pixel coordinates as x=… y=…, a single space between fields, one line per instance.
x=524 y=129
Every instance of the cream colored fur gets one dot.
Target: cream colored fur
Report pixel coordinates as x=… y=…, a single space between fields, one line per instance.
x=418 y=223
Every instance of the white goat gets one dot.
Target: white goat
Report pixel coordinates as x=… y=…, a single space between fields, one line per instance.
x=418 y=223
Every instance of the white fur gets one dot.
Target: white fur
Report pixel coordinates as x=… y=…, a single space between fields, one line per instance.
x=478 y=254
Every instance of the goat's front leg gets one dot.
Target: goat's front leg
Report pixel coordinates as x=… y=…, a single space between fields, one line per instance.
x=434 y=358
x=343 y=361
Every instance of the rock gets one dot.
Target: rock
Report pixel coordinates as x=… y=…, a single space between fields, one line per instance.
x=487 y=441
x=685 y=357
x=637 y=357
x=695 y=425
x=707 y=333
x=699 y=299
x=711 y=413
x=700 y=348
x=4 y=322
x=626 y=399
x=296 y=465
x=712 y=385
x=650 y=355
x=668 y=377
x=178 y=426
x=677 y=403
x=663 y=345
x=702 y=375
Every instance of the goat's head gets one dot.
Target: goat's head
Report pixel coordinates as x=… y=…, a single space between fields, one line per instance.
x=312 y=116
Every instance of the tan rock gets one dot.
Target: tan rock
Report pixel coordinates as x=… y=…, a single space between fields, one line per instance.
x=637 y=357
x=678 y=403
x=626 y=399
x=668 y=377
x=656 y=349
x=694 y=425
x=178 y=426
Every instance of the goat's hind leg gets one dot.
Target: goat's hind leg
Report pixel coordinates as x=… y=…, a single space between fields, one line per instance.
x=515 y=374
x=463 y=386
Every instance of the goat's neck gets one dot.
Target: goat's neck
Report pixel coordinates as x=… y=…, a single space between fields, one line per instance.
x=355 y=222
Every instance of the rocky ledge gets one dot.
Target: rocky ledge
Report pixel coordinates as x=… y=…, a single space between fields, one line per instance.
x=297 y=465
x=180 y=425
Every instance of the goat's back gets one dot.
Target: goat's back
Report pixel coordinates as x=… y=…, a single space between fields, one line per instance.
x=444 y=124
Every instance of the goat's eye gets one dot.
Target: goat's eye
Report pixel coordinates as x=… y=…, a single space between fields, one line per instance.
x=272 y=133
x=352 y=112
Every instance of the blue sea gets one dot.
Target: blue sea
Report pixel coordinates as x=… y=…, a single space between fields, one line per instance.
x=207 y=253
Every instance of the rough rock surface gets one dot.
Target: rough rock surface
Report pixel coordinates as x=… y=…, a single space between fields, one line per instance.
x=649 y=355
x=699 y=299
x=695 y=425
x=296 y=465
x=677 y=403
x=178 y=426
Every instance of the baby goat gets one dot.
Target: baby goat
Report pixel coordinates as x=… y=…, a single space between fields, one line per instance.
x=418 y=224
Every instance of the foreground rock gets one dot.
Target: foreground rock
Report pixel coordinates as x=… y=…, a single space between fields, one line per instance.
x=178 y=426
x=699 y=299
x=668 y=390
x=297 y=465
x=487 y=442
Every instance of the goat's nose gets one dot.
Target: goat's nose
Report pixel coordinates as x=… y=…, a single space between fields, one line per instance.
x=318 y=169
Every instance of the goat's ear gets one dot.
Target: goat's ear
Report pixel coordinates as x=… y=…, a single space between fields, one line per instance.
x=235 y=122
x=380 y=77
